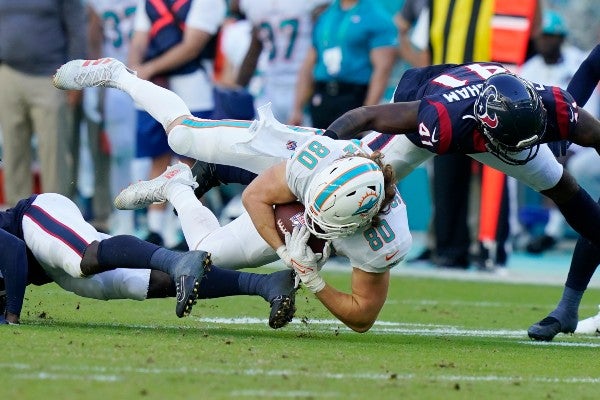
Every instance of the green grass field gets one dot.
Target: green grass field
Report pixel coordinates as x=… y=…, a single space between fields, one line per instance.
x=435 y=339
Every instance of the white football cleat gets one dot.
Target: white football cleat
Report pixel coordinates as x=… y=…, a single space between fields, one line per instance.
x=589 y=326
x=78 y=74
x=144 y=193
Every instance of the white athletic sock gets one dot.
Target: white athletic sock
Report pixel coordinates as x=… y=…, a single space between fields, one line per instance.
x=164 y=105
x=156 y=218
x=197 y=221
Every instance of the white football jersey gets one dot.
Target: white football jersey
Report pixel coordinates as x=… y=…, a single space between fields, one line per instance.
x=372 y=249
x=285 y=31
x=117 y=19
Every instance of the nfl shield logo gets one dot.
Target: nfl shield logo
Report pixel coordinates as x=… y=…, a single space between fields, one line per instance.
x=291 y=145
x=297 y=219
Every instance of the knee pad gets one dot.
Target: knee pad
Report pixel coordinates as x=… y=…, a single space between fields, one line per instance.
x=180 y=140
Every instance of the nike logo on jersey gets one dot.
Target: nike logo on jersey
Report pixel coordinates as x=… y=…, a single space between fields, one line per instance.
x=388 y=257
x=573 y=115
x=434 y=138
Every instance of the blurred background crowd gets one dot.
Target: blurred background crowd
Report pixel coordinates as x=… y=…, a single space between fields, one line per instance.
x=312 y=60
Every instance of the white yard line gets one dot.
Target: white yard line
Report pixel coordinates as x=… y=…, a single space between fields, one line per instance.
x=94 y=373
x=380 y=327
x=407 y=329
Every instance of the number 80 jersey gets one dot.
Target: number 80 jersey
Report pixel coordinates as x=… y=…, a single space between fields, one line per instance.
x=371 y=249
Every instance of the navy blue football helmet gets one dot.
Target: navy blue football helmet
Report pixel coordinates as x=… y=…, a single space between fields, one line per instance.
x=512 y=117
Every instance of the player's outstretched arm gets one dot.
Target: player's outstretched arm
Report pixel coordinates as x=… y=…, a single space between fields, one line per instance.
x=390 y=118
x=586 y=78
x=587 y=131
x=359 y=309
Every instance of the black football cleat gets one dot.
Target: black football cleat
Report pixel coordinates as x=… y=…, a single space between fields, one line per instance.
x=546 y=329
x=205 y=175
x=283 y=308
x=188 y=273
x=283 y=300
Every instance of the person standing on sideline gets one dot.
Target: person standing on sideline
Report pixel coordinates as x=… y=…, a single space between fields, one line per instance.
x=349 y=64
x=110 y=29
x=37 y=37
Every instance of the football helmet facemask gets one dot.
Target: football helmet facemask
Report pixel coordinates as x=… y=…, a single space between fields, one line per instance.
x=344 y=197
x=512 y=118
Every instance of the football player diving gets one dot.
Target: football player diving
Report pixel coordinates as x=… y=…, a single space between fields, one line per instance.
x=479 y=109
x=349 y=194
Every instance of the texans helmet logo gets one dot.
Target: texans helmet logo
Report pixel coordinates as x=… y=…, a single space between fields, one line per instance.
x=490 y=93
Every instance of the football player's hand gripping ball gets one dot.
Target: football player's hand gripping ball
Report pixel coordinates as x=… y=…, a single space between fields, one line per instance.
x=304 y=260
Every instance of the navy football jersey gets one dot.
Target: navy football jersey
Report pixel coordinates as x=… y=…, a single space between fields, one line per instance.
x=446 y=119
x=11 y=219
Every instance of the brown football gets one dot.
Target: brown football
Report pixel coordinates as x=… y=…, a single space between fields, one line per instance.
x=291 y=214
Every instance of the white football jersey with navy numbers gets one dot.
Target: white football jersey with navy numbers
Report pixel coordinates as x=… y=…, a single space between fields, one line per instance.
x=372 y=249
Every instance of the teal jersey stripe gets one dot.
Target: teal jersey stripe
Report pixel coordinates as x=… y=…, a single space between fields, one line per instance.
x=340 y=180
x=316 y=131
x=194 y=123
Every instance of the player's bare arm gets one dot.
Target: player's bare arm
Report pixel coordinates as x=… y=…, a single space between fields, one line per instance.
x=250 y=61
x=587 y=131
x=391 y=118
x=194 y=40
x=360 y=309
x=267 y=189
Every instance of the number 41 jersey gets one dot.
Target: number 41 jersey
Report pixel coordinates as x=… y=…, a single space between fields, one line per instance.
x=371 y=249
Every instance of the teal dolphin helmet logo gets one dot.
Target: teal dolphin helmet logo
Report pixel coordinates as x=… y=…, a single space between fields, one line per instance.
x=344 y=197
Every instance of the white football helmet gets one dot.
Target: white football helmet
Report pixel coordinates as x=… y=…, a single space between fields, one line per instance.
x=344 y=197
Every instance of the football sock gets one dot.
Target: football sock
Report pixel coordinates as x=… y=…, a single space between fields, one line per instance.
x=220 y=282
x=164 y=105
x=268 y=286
x=567 y=310
x=584 y=262
x=197 y=221
x=163 y=260
x=125 y=251
x=229 y=174
x=583 y=214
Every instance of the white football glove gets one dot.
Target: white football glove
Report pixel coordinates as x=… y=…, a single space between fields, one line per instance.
x=324 y=255
x=304 y=260
x=284 y=254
